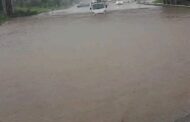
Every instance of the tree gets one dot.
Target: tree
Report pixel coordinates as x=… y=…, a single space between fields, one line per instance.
x=7 y=7
x=1 y=6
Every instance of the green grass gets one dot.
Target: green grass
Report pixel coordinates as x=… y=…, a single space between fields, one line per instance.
x=28 y=11
x=21 y=12
x=158 y=1
x=179 y=2
x=2 y=18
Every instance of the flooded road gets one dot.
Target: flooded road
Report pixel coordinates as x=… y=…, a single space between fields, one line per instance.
x=128 y=4
x=125 y=66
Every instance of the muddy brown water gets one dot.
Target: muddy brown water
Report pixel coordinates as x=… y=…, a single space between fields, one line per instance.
x=126 y=66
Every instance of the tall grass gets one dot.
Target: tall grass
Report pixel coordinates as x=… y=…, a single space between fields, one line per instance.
x=2 y=18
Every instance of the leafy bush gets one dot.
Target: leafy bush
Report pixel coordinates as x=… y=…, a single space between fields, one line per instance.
x=2 y=18
x=24 y=11
x=43 y=3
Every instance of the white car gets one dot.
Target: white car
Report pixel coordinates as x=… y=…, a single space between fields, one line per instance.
x=119 y=2
x=98 y=8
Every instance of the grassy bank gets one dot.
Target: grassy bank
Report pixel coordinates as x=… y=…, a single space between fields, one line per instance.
x=158 y=1
x=178 y=2
x=27 y=11
x=2 y=18
x=33 y=7
x=21 y=12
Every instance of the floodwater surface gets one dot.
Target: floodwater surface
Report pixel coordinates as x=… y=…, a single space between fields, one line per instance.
x=125 y=66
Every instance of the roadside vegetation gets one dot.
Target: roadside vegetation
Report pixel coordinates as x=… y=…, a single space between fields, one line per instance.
x=28 y=11
x=3 y=18
x=176 y=2
x=158 y=1
x=32 y=7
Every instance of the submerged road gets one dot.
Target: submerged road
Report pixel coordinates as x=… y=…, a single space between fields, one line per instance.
x=125 y=66
x=128 y=4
